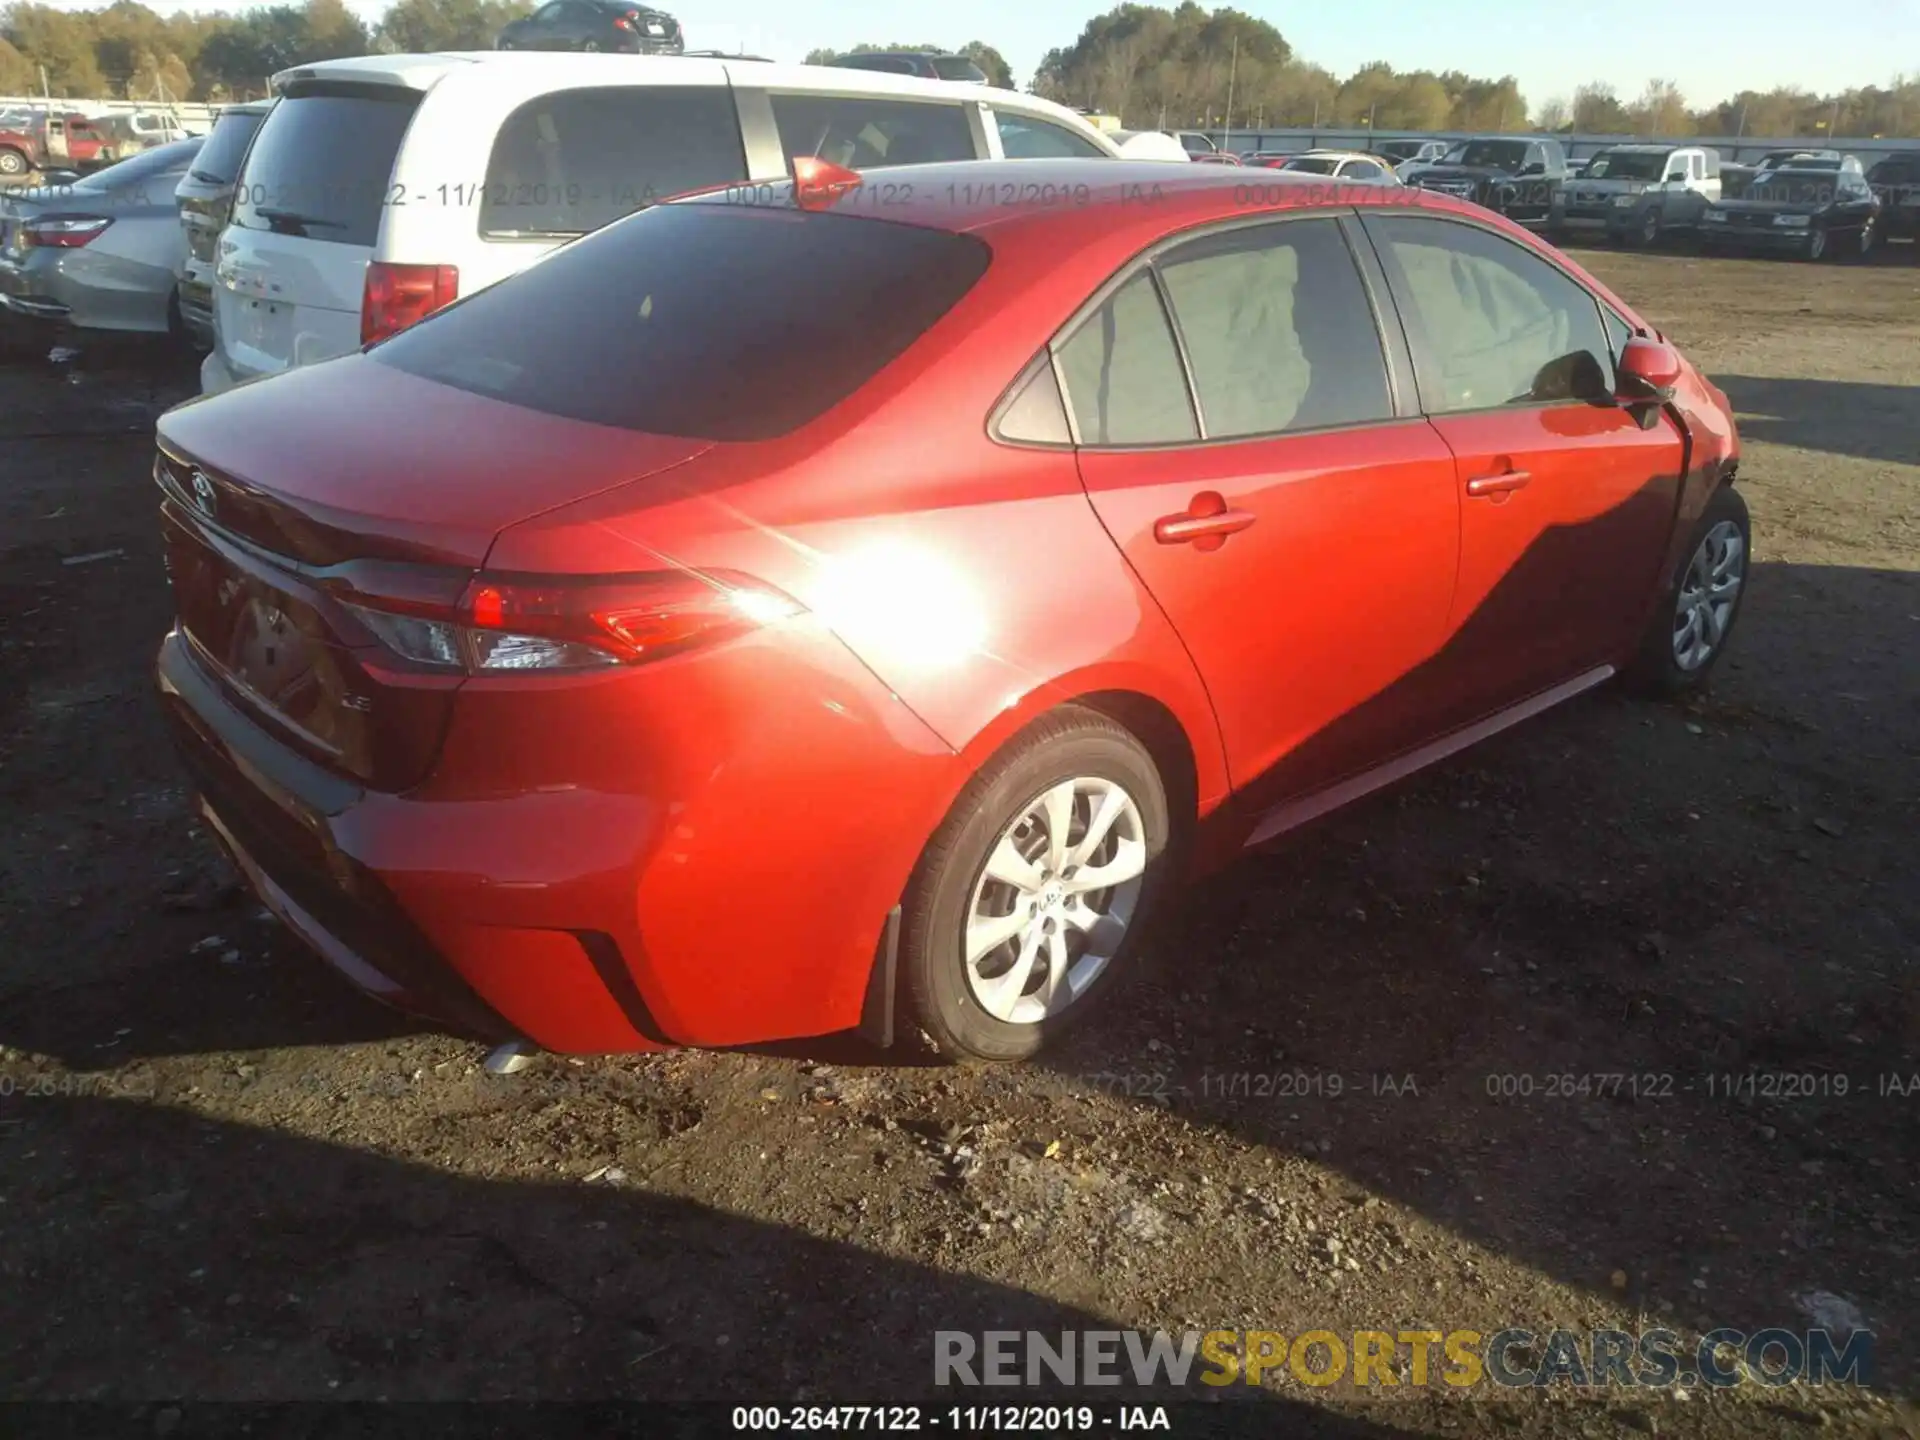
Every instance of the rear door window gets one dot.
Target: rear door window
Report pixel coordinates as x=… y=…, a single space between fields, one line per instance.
x=723 y=322
x=575 y=160
x=1024 y=138
x=1278 y=330
x=869 y=132
x=219 y=159
x=321 y=166
x=1123 y=373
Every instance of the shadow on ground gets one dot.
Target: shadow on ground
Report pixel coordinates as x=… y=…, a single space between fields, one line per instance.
x=1841 y=417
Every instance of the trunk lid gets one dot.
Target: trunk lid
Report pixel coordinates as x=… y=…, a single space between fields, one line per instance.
x=274 y=515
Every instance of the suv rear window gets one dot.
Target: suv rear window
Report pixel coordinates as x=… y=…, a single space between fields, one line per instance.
x=867 y=132
x=219 y=159
x=321 y=164
x=718 y=321
x=958 y=67
x=575 y=160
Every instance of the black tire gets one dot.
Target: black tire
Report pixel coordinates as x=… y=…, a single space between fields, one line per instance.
x=1816 y=250
x=12 y=162
x=1648 y=235
x=1655 y=671
x=590 y=47
x=1070 y=742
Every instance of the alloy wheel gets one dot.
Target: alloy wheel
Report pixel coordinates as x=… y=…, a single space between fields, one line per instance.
x=1054 y=899
x=1704 y=608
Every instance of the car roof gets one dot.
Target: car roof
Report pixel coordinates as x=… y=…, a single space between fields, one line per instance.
x=1335 y=155
x=1644 y=148
x=538 y=69
x=947 y=195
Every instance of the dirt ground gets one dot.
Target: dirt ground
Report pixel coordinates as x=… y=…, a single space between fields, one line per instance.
x=223 y=1176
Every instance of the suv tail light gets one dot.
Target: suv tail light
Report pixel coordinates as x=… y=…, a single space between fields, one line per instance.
x=398 y=295
x=625 y=22
x=62 y=232
x=557 y=623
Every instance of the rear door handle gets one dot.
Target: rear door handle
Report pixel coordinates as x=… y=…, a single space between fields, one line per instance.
x=1205 y=524
x=1501 y=484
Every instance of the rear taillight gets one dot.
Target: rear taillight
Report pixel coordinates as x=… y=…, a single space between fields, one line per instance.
x=398 y=295
x=546 y=623
x=62 y=232
x=624 y=22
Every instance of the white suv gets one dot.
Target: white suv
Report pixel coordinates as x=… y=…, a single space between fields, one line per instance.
x=381 y=188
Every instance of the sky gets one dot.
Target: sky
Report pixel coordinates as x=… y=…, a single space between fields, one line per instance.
x=1711 y=48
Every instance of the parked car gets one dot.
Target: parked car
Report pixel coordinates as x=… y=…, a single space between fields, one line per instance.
x=1734 y=179
x=516 y=653
x=1218 y=157
x=100 y=254
x=381 y=188
x=1515 y=177
x=131 y=131
x=1896 y=181
x=1149 y=145
x=1195 y=143
x=55 y=141
x=1808 y=213
x=1347 y=166
x=1639 y=193
x=204 y=198
x=1270 y=159
x=1410 y=152
x=614 y=26
x=927 y=64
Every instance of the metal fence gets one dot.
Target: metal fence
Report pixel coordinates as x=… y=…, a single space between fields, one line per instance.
x=1733 y=148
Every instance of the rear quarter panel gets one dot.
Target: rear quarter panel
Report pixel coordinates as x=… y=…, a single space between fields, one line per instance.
x=973 y=578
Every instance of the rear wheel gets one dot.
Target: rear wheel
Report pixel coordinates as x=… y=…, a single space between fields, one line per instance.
x=12 y=162
x=1695 y=619
x=1029 y=902
x=591 y=47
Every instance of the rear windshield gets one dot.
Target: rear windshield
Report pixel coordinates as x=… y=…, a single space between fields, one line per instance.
x=219 y=159
x=957 y=67
x=575 y=160
x=715 y=321
x=321 y=165
x=1628 y=165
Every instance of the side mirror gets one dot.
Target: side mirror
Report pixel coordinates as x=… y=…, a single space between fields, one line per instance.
x=1648 y=372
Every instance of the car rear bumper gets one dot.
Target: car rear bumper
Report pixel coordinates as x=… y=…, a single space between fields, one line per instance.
x=91 y=288
x=696 y=885
x=1739 y=237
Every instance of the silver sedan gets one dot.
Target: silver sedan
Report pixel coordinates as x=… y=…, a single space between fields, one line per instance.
x=100 y=253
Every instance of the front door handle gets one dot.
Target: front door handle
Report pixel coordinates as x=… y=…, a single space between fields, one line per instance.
x=1205 y=524
x=1502 y=484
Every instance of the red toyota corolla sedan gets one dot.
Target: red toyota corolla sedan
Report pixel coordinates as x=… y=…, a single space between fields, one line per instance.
x=792 y=608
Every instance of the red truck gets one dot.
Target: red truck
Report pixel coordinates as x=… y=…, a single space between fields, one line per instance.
x=56 y=142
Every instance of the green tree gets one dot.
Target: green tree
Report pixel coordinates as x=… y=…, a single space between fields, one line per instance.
x=415 y=26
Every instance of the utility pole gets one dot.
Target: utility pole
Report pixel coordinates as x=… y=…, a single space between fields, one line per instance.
x=1233 y=66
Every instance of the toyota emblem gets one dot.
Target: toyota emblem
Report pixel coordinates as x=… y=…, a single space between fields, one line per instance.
x=203 y=492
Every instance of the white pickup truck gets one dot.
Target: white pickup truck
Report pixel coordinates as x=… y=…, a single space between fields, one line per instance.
x=1638 y=193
